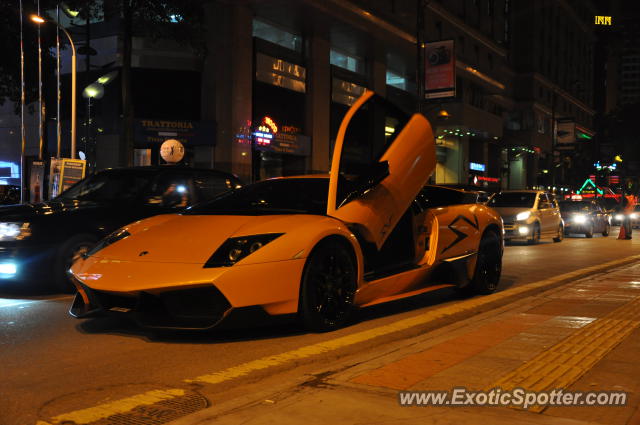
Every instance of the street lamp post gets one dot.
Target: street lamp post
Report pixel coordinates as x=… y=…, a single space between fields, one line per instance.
x=40 y=20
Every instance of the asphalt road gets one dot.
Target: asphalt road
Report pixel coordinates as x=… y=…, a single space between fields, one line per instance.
x=51 y=363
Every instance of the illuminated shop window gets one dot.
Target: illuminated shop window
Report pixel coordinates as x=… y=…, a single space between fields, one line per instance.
x=396 y=80
x=266 y=31
x=346 y=61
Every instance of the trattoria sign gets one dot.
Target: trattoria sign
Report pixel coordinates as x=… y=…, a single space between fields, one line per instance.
x=151 y=131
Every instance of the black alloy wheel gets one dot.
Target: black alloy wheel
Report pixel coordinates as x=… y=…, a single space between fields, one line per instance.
x=488 y=265
x=328 y=287
x=535 y=235
x=71 y=251
x=560 y=234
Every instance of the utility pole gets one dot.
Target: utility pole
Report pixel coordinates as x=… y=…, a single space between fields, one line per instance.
x=420 y=10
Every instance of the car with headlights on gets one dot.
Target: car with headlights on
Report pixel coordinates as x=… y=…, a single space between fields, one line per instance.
x=316 y=247
x=39 y=242
x=584 y=217
x=528 y=215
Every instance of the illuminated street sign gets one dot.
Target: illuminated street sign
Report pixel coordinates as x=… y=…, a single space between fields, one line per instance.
x=476 y=167
x=603 y=20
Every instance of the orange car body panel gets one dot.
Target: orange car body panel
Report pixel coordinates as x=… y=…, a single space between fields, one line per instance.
x=411 y=158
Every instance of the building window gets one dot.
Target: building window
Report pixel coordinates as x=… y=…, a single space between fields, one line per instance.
x=346 y=61
x=396 y=80
x=275 y=35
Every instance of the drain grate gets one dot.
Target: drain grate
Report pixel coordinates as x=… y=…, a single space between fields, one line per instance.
x=155 y=414
x=158 y=413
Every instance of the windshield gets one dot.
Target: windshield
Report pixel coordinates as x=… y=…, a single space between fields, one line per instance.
x=574 y=206
x=278 y=196
x=108 y=186
x=513 y=199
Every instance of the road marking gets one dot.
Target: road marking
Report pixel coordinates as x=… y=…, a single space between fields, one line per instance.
x=565 y=362
x=421 y=319
x=103 y=411
x=91 y=414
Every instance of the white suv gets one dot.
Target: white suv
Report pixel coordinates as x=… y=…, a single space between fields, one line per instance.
x=528 y=215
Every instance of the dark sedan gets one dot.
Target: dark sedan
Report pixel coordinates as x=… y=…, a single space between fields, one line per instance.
x=584 y=217
x=39 y=242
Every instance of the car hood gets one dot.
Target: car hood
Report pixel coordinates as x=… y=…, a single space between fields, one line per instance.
x=26 y=212
x=194 y=238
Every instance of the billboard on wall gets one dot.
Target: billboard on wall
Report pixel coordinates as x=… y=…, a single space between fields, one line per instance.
x=565 y=133
x=439 y=70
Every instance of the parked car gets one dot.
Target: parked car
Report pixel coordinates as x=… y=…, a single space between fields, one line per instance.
x=9 y=194
x=39 y=242
x=315 y=247
x=528 y=215
x=584 y=217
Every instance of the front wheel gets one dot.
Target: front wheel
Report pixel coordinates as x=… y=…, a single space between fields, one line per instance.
x=488 y=265
x=606 y=231
x=67 y=254
x=328 y=287
x=589 y=233
x=535 y=235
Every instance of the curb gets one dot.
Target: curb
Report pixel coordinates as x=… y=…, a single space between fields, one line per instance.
x=405 y=328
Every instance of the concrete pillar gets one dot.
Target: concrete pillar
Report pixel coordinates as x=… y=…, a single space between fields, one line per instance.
x=227 y=84
x=318 y=99
x=379 y=72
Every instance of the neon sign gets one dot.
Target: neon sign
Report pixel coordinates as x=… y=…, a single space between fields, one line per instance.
x=603 y=20
x=488 y=179
x=265 y=132
x=476 y=167
x=271 y=124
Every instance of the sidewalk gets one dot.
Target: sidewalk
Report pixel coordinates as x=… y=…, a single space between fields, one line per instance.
x=581 y=336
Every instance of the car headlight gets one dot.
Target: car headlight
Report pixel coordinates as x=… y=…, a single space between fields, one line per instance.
x=523 y=230
x=580 y=218
x=112 y=238
x=633 y=216
x=619 y=217
x=523 y=215
x=235 y=249
x=14 y=231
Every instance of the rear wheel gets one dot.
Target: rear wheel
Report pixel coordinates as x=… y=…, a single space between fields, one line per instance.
x=607 y=229
x=329 y=283
x=67 y=254
x=560 y=234
x=488 y=265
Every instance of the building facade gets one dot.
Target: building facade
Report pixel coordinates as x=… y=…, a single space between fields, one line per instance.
x=267 y=97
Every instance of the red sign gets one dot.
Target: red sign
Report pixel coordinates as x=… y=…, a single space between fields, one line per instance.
x=439 y=70
x=488 y=179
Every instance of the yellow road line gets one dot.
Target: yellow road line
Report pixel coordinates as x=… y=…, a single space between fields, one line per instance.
x=103 y=411
x=565 y=362
x=421 y=319
x=92 y=414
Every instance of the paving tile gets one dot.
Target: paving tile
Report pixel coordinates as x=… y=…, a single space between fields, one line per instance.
x=475 y=374
x=556 y=307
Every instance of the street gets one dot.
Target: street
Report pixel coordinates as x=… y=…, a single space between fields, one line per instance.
x=53 y=364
